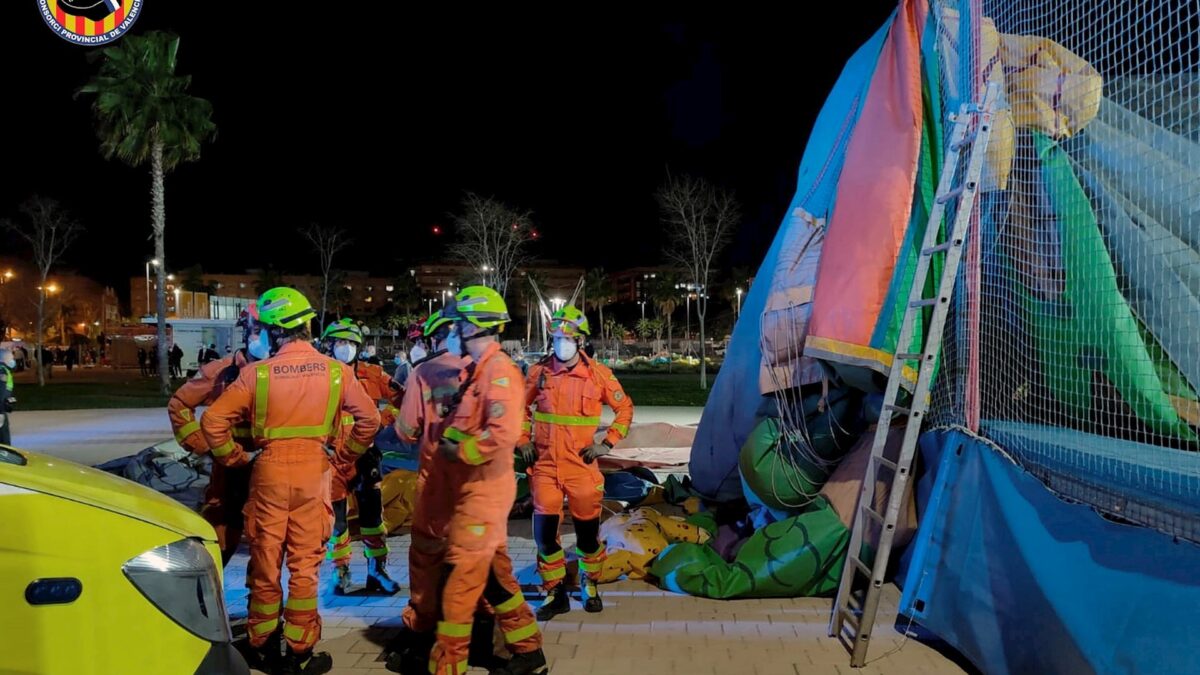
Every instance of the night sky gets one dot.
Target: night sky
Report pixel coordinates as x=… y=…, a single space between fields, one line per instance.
x=379 y=121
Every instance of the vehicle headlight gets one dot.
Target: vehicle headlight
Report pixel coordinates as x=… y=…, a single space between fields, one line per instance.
x=182 y=581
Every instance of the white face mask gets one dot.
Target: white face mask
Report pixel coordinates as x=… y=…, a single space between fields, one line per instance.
x=416 y=353
x=344 y=352
x=260 y=348
x=565 y=348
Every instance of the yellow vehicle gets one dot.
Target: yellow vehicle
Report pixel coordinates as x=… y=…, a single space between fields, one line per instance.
x=101 y=575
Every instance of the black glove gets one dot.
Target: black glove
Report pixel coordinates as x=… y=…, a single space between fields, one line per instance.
x=595 y=450
x=528 y=453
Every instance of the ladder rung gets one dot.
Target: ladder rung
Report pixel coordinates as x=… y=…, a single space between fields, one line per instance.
x=938 y=249
x=862 y=567
x=849 y=617
x=873 y=514
x=966 y=140
x=910 y=356
x=923 y=302
x=888 y=463
x=897 y=408
x=942 y=199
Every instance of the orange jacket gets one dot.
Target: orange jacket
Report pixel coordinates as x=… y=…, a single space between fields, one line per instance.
x=427 y=396
x=202 y=390
x=294 y=398
x=487 y=421
x=567 y=403
x=378 y=385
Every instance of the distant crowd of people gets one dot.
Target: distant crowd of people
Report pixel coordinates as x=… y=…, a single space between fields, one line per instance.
x=148 y=359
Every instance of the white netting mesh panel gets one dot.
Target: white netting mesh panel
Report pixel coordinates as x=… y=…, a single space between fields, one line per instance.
x=1088 y=282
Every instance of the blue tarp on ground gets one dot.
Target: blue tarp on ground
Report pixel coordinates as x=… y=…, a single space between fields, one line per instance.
x=732 y=407
x=1020 y=581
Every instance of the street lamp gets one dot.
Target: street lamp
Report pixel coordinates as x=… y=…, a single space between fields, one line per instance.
x=643 y=304
x=152 y=261
x=176 y=302
x=739 y=302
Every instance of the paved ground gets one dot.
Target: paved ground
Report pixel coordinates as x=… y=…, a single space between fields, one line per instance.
x=642 y=629
x=95 y=436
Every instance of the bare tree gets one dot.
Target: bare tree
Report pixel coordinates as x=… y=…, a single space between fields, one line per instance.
x=327 y=241
x=492 y=238
x=49 y=231
x=700 y=219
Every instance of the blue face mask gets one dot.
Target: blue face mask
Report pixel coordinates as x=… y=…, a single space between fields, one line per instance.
x=260 y=348
x=454 y=343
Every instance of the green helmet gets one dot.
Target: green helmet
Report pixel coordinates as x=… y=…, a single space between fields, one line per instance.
x=480 y=305
x=435 y=321
x=284 y=308
x=343 y=329
x=569 y=322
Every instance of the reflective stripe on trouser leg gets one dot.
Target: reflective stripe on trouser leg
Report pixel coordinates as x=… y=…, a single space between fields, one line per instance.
x=592 y=564
x=374 y=540
x=516 y=618
x=339 y=549
x=552 y=568
x=302 y=624
x=469 y=570
x=449 y=655
x=263 y=620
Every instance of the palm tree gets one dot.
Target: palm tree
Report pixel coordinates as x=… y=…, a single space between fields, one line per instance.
x=144 y=115
x=598 y=292
x=666 y=300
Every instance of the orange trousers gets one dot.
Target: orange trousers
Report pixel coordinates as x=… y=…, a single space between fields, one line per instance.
x=479 y=567
x=288 y=512
x=224 y=499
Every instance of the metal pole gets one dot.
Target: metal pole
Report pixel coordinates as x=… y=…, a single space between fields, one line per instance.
x=147 y=289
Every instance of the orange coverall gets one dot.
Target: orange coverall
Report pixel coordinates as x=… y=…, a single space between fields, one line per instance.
x=567 y=403
x=369 y=501
x=227 y=488
x=486 y=425
x=430 y=389
x=294 y=401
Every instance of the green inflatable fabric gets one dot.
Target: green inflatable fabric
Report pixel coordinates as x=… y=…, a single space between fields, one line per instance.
x=783 y=477
x=1090 y=326
x=797 y=557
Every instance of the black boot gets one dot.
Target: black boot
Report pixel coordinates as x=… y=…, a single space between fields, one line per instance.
x=305 y=663
x=378 y=581
x=265 y=658
x=409 y=652
x=556 y=603
x=531 y=663
x=589 y=593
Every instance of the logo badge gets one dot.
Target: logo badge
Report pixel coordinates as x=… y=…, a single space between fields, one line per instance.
x=90 y=22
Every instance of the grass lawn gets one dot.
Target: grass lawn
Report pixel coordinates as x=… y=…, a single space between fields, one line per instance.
x=124 y=389
x=665 y=389
x=117 y=392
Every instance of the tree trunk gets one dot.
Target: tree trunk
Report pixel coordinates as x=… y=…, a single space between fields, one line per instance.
x=324 y=299
x=603 y=332
x=703 y=363
x=41 y=361
x=159 y=211
x=670 y=354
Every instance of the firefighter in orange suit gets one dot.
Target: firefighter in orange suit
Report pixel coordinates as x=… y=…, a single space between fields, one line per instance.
x=343 y=340
x=227 y=488
x=567 y=391
x=294 y=401
x=476 y=442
